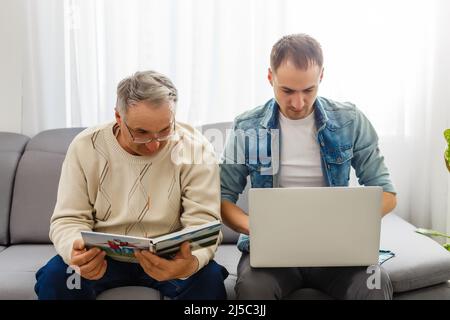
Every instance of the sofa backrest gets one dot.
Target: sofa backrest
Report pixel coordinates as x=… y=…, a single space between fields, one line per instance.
x=11 y=149
x=36 y=185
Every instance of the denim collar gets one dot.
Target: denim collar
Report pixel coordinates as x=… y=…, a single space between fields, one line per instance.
x=270 y=118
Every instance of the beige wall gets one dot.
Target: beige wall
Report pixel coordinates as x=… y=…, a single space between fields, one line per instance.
x=11 y=43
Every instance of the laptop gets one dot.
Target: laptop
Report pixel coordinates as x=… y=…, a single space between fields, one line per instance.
x=315 y=227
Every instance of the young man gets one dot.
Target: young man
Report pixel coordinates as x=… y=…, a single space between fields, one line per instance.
x=319 y=141
x=122 y=178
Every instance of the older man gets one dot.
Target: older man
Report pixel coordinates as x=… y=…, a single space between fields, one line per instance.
x=122 y=178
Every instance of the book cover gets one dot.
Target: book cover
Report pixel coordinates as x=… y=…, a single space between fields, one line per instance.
x=121 y=247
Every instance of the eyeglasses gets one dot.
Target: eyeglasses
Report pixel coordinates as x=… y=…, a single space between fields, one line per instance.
x=142 y=138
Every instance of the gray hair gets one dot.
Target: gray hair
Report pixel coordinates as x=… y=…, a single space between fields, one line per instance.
x=149 y=86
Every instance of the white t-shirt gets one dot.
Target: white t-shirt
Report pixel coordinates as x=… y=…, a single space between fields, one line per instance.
x=300 y=162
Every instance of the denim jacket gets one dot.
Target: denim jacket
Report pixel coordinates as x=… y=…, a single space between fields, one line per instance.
x=345 y=137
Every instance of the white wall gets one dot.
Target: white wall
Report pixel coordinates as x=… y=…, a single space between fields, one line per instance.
x=12 y=32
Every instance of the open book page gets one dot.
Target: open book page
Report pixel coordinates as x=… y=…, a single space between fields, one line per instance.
x=116 y=246
x=201 y=236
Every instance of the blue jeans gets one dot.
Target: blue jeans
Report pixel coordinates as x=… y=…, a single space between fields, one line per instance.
x=208 y=283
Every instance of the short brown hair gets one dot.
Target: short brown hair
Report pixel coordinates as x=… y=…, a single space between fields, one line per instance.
x=303 y=50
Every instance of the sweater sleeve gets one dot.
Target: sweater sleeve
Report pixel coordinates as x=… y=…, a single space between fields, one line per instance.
x=73 y=211
x=200 y=197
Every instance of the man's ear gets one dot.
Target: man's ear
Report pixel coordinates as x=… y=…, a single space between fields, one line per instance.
x=117 y=115
x=270 y=76
x=321 y=74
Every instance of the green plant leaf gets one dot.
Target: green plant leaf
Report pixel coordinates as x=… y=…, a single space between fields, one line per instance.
x=431 y=233
x=447 y=136
x=447 y=246
x=447 y=151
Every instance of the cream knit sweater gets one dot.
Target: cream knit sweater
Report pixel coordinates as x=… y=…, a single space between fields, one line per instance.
x=106 y=189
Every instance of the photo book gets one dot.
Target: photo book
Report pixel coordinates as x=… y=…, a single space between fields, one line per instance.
x=121 y=247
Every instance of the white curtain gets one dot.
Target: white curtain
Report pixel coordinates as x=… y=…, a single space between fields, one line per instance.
x=43 y=80
x=388 y=57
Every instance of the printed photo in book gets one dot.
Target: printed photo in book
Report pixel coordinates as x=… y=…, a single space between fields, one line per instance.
x=121 y=247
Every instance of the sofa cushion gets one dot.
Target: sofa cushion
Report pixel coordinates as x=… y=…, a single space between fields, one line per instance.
x=216 y=133
x=36 y=185
x=11 y=148
x=2 y=248
x=26 y=257
x=17 y=286
x=18 y=265
x=230 y=282
x=419 y=261
x=437 y=292
x=228 y=256
x=130 y=293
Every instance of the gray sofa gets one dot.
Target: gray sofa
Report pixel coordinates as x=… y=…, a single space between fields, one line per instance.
x=29 y=175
